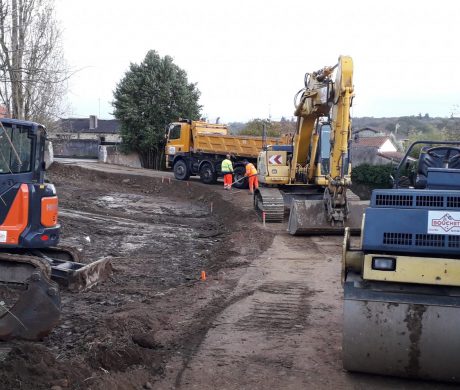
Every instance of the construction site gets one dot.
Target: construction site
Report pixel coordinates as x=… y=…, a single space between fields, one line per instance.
x=268 y=315
x=249 y=263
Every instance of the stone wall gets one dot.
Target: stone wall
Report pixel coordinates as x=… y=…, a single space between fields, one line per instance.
x=76 y=148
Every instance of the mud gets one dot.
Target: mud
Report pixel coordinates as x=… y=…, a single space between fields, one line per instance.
x=160 y=235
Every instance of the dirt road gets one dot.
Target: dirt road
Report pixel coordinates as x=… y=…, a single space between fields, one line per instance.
x=268 y=315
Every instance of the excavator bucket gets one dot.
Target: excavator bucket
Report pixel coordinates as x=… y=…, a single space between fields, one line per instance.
x=402 y=333
x=79 y=277
x=30 y=303
x=308 y=218
x=69 y=272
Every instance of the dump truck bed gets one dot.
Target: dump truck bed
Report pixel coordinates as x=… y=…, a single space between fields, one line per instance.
x=245 y=146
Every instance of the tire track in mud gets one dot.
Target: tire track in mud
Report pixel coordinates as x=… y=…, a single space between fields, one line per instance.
x=195 y=340
x=260 y=332
x=282 y=306
x=288 y=314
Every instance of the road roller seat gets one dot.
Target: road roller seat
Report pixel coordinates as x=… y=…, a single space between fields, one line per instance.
x=436 y=160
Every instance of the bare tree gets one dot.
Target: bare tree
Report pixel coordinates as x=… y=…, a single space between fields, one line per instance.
x=33 y=72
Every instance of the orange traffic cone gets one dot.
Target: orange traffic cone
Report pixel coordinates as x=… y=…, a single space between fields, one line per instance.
x=203 y=275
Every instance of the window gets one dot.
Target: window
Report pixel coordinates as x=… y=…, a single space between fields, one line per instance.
x=174 y=132
x=15 y=150
x=325 y=145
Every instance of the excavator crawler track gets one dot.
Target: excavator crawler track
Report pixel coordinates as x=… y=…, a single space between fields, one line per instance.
x=271 y=202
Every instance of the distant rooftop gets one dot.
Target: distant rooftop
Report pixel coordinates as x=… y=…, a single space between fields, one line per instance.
x=367 y=130
x=90 y=125
x=376 y=142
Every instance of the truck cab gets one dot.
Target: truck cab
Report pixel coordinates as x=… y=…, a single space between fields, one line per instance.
x=180 y=137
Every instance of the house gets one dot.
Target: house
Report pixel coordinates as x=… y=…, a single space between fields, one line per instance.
x=82 y=137
x=375 y=150
x=106 y=131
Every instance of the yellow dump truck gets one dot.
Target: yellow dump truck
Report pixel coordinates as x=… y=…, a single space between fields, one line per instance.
x=198 y=148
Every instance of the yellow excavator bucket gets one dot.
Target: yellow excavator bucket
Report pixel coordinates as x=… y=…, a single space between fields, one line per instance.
x=308 y=218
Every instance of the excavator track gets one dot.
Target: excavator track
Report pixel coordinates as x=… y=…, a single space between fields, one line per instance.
x=271 y=202
x=30 y=304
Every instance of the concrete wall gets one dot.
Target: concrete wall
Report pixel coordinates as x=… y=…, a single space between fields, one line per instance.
x=108 y=137
x=111 y=155
x=83 y=148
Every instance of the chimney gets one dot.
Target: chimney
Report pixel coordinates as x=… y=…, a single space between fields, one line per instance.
x=92 y=122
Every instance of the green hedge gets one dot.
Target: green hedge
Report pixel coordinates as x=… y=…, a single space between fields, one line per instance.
x=377 y=176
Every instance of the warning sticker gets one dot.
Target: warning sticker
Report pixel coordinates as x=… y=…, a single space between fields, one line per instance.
x=2 y=235
x=275 y=159
x=444 y=222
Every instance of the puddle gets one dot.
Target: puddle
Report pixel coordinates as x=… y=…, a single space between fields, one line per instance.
x=138 y=204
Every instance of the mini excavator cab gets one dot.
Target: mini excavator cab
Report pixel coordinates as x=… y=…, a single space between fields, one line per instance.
x=29 y=206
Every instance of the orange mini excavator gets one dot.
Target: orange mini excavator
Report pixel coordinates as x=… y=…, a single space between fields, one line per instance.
x=31 y=264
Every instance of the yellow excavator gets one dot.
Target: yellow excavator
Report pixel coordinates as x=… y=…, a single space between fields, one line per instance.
x=32 y=265
x=312 y=175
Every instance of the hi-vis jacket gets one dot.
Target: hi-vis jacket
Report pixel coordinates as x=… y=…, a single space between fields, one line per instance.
x=227 y=166
x=250 y=170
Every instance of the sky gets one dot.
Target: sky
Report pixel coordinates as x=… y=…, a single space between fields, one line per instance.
x=249 y=58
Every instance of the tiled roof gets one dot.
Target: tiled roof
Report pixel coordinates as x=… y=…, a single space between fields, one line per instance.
x=376 y=142
x=392 y=155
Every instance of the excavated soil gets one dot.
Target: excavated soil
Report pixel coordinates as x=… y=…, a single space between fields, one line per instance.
x=160 y=235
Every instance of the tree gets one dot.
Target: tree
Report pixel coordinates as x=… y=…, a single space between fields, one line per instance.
x=148 y=97
x=255 y=128
x=33 y=72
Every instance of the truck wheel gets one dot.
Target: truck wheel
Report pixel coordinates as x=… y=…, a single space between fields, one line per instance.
x=181 y=171
x=207 y=175
x=238 y=174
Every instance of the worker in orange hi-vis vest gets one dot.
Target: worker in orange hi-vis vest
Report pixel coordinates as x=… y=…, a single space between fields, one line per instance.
x=251 y=174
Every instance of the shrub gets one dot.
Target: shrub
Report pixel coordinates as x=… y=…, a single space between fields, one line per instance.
x=375 y=176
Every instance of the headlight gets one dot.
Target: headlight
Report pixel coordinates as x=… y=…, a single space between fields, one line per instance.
x=384 y=263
